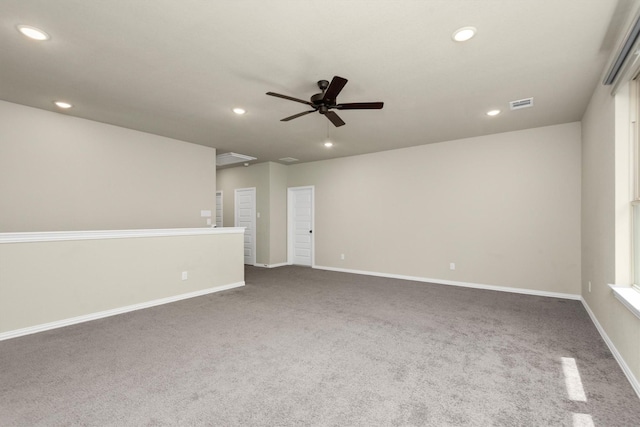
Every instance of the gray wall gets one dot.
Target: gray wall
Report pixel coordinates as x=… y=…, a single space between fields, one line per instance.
x=504 y=208
x=64 y=173
x=278 y=201
x=44 y=282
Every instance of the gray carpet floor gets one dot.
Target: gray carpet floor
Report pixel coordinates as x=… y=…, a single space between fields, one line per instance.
x=303 y=347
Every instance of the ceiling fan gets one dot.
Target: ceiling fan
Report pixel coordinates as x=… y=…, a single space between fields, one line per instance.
x=327 y=100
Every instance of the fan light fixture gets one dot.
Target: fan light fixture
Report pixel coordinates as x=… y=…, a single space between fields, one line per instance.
x=239 y=111
x=328 y=144
x=33 y=33
x=493 y=112
x=62 y=104
x=463 y=34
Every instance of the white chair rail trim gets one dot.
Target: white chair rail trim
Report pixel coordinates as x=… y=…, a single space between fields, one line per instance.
x=53 y=236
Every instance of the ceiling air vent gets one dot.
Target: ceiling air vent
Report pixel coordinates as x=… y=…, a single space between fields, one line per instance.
x=232 y=158
x=521 y=103
x=288 y=159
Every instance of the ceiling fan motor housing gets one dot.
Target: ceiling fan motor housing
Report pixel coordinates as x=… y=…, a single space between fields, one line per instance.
x=317 y=100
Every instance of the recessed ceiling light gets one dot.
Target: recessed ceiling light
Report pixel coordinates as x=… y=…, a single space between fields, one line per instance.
x=328 y=144
x=33 y=32
x=239 y=111
x=62 y=104
x=493 y=112
x=463 y=34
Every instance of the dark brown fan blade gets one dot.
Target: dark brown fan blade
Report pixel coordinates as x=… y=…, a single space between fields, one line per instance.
x=334 y=118
x=360 y=106
x=277 y=95
x=295 y=116
x=334 y=89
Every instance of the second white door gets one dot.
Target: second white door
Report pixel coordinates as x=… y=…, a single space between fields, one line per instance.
x=245 y=216
x=300 y=201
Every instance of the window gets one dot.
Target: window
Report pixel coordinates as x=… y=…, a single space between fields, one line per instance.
x=627 y=198
x=635 y=184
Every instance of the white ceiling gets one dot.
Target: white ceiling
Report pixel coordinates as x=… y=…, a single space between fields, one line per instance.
x=177 y=67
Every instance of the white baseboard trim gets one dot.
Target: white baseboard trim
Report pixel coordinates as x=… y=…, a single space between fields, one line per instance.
x=616 y=354
x=280 y=264
x=107 y=313
x=455 y=283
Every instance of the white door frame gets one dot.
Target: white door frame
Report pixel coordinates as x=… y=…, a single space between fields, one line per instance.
x=253 y=219
x=290 y=224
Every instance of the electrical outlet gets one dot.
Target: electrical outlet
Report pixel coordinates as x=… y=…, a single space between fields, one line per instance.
x=452 y=266
x=185 y=275
x=589 y=285
x=342 y=257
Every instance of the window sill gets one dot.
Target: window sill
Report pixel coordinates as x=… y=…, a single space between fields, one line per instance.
x=628 y=296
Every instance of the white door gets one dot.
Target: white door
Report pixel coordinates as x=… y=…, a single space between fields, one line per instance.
x=245 y=216
x=219 y=209
x=300 y=224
